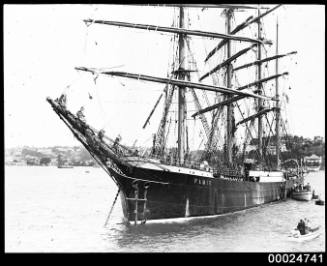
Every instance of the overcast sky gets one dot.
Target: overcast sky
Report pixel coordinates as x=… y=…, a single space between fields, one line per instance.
x=43 y=44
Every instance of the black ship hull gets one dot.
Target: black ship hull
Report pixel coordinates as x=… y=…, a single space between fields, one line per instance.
x=180 y=195
x=151 y=194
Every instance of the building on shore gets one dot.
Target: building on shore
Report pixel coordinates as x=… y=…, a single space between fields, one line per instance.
x=312 y=163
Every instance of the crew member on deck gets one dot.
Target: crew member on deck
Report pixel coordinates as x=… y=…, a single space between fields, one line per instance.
x=116 y=143
x=80 y=114
x=101 y=134
x=62 y=100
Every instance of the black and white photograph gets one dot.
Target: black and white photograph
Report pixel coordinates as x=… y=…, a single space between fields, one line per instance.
x=164 y=128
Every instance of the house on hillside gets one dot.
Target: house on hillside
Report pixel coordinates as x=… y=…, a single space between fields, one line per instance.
x=312 y=163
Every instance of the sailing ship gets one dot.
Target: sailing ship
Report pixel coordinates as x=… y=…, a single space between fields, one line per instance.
x=171 y=182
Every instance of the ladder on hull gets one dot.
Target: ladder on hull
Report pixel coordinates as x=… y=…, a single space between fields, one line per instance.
x=138 y=200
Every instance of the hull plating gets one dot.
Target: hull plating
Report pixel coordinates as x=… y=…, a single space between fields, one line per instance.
x=180 y=195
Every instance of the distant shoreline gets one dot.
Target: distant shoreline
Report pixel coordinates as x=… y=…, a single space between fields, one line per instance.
x=296 y=147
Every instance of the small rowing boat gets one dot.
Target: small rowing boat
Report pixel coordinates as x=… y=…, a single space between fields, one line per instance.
x=303 y=195
x=296 y=236
x=320 y=202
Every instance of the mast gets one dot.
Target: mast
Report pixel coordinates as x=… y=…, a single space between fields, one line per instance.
x=277 y=104
x=259 y=91
x=230 y=111
x=181 y=89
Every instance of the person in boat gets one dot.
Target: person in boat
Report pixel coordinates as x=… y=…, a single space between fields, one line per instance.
x=308 y=227
x=314 y=195
x=301 y=227
x=308 y=187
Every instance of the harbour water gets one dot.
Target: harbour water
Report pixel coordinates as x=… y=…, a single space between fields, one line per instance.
x=64 y=210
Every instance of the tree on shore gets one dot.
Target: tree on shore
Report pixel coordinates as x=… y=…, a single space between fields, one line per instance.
x=45 y=161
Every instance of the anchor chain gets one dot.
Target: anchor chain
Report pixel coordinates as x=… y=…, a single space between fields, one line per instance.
x=112 y=207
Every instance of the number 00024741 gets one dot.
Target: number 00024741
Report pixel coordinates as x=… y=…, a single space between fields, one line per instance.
x=295 y=258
